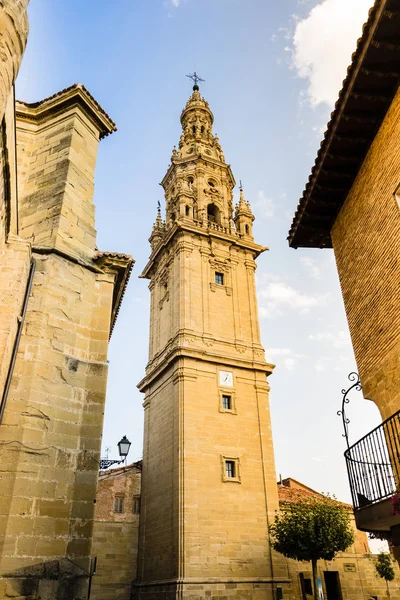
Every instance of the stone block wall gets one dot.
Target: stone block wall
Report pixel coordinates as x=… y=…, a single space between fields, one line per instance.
x=50 y=434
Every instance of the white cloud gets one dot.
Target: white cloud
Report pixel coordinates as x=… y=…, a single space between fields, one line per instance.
x=311 y=266
x=278 y=295
x=284 y=356
x=175 y=3
x=264 y=206
x=339 y=339
x=323 y=43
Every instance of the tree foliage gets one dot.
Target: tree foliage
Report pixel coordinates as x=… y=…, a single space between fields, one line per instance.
x=384 y=566
x=312 y=528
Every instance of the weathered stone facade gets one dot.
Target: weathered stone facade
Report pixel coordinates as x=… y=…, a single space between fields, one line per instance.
x=115 y=532
x=59 y=300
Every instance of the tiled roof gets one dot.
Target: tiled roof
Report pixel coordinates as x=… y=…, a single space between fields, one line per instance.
x=291 y=490
x=370 y=85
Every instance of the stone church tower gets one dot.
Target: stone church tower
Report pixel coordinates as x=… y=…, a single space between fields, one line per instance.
x=209 y=487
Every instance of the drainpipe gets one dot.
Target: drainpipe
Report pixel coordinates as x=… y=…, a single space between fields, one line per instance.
x=21 y=320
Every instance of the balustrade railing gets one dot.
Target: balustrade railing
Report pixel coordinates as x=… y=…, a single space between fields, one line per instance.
x=373 y=463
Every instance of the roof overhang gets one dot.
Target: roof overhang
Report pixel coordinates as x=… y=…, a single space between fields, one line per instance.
x=372 y=82
x=121 y=265
x=75 y=95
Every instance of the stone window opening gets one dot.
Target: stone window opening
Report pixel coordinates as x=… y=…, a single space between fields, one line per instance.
x=136 y=505
x=187 y=211
x=211 y=183
x=230 y=469
x=213 y=214
x=226 y=402
x=119 y=504
x=202 y=129
x=194 y=128
x=219 y=278
x=190 y=181
x=247 y=229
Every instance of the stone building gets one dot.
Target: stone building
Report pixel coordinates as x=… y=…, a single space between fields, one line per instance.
x=351 y=204
x=115 y=532
x=59 y=298
x=208 y=481
x=350 y=575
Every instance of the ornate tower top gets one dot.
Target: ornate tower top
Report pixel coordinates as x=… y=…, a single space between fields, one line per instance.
x=199 y=184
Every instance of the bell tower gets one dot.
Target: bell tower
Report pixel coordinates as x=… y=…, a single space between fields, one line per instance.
x=208 y=486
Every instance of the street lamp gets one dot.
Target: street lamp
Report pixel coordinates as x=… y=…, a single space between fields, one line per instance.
x=123 y=449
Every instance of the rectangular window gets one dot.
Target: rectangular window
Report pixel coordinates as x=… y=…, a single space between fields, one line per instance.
x=308 y=586
x=118 y=505
x=230 y=468
x=136 y=505
x=219 y=278
x=226 y=402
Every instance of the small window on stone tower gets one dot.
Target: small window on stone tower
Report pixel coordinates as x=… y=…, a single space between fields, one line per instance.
x=202 y=129
x=219 y=278
x=187 y=211
x=230 y=469
x=190 y=181
x=119 y=504
x=247 y=229
x=194 y=128
x=226 y=402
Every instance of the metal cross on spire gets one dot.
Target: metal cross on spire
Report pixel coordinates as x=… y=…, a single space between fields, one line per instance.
x=195 y=78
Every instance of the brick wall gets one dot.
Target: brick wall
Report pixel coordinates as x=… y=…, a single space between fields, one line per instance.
x=366 y=240
x=115 y=534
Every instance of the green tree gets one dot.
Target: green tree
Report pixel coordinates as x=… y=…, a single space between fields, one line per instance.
x=384 y=568
x=312 y=528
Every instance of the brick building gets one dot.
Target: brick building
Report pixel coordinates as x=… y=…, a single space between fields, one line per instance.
x=351 y=204
x=115 y=532
x=59 y=298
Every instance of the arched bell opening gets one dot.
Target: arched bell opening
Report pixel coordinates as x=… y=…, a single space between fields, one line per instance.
x=213 y=214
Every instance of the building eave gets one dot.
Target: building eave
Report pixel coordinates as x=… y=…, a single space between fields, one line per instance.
x=75 y=95
x=121 y=265
x=371 y=83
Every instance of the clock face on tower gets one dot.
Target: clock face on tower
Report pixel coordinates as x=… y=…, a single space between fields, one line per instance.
x=226 y=378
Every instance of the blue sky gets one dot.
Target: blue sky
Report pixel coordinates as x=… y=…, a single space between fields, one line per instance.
x=273 y=71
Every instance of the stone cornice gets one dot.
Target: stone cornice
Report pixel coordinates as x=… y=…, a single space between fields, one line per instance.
x=199 y=159
x=234 y=238
x=176 y=353
x=121 y=265
x=74 y=96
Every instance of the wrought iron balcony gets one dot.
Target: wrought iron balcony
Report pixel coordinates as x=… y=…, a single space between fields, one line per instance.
x=373 y=466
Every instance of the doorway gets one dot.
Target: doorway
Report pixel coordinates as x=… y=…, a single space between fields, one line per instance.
x=332 y=585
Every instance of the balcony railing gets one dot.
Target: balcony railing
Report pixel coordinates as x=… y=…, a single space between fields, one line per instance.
x=373 y=463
